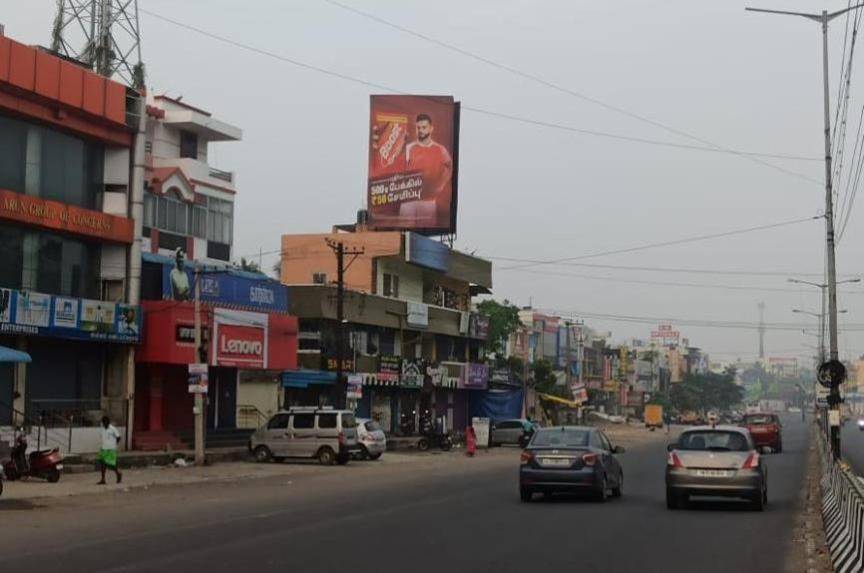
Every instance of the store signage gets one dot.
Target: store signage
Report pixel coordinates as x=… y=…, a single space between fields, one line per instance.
x=474 y=376
x=418 y=314
x=412 y=373
x=331 y=364
x=37 y=314
x=478 y=326
x=580 y=393
x=355 y=386
x=62 y=217
x=389 y=368
x=185 y=334
x=240 y=346
x=438 y=375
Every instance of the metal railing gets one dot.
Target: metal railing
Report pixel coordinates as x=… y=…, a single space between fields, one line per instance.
x=54 y=429
x=247 y=413
x=226 y=176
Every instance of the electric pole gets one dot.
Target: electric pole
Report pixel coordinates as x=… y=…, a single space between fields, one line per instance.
x=823 y=19
x=201 y=357
x=761 y=330
x=339 y=249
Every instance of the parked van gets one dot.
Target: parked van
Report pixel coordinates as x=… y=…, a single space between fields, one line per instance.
x=323 y=433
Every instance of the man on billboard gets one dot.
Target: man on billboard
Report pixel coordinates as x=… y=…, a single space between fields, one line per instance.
x=411 y=163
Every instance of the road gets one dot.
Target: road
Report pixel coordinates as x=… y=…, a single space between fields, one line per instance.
x=447 y=513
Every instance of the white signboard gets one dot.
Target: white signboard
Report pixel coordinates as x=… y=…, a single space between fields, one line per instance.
x=355 y=386
x=65 y=312
x=834 y=418
x=418 y=314
x=33 y=309
x=481 y=430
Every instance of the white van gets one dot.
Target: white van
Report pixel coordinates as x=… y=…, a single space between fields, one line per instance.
x=323 y=433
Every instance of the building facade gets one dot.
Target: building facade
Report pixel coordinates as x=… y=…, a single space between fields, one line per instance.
x=65 y=239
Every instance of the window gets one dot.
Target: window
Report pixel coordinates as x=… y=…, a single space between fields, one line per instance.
x=303 y=421
x=714 y=441
x=391 y=285
x=326 y=421
x=509 y=425
x=563 y=438
x=64 y=266
x=220 y=220
x=348 y=421
x=372 y=426
x=199 y=221
x=150 y=201
x=604 y=441
x=278 y=422
x=11 y=253
x=188 y=144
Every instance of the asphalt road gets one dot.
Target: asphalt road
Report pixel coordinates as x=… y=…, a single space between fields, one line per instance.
x=448 y=515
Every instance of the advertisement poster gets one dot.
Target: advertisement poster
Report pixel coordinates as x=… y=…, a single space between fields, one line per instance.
x=97 y=316
x=389 y=368
x=5 y=305
x=240 y=338
x=198 y=379
x=33 y=309
x=127 y=320
x=355 y=387
x=413 y=372
x=413 y=163
x=65 y=313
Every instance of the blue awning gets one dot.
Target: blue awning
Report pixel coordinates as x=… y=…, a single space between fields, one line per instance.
x=305 y=378
x=12 y=355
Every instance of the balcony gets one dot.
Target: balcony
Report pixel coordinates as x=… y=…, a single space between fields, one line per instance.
x=200 y=173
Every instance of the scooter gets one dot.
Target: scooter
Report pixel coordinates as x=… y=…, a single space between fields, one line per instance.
x=433 y=438
x=45 y=464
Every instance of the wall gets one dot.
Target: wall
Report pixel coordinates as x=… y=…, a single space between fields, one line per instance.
x=410 y=279
x=262 y=394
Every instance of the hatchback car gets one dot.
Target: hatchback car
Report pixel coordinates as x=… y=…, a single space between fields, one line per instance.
x=765 y=430
x=572 y=459
x=371 y=438
x=715 y=461
x=517 y=432
x=323 y=433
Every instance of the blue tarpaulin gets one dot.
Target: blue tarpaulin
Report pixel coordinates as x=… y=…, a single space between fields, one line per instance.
x=497 y=405
x=305 y=378
x=12 y=355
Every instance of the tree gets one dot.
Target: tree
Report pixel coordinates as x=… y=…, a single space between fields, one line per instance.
x=503 y=321
x=704 y=392
x=248 y=265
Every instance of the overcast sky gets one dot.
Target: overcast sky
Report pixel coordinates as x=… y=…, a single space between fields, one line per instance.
x=745 y=81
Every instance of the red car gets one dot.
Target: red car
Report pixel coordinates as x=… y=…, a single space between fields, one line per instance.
x=765 y=429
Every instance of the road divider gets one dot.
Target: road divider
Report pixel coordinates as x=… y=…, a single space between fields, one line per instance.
x=842 y=511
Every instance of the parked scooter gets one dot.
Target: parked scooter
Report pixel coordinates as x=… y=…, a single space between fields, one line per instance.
x=432 y=438
x=45 y=464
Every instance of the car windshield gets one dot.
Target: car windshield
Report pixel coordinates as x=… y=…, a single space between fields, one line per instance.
x=759 y=419
x=348 y=421
x=713 y=441
x=562 y=438
x=372 y=426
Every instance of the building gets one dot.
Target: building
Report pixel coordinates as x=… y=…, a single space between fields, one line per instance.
x=248 y=336
x=413 y=342
x=66 y=234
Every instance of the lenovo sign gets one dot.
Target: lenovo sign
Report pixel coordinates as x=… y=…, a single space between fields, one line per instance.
x=241 y=346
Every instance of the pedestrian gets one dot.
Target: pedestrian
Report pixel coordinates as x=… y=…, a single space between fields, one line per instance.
x=470 y=442
x=108 y=453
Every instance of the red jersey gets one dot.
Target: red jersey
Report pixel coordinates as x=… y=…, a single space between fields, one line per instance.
x=436 y=165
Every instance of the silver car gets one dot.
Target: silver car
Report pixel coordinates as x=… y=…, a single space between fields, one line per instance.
x=323 y=433
x=715 y=461
x=371 y=438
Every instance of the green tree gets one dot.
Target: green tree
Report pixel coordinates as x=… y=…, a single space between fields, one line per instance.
x=544 y=376
x=248 y=265
x=503 y=321
x=704 y=392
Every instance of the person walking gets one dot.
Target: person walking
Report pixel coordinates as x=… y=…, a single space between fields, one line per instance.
x=108 y=453
x=470 y=442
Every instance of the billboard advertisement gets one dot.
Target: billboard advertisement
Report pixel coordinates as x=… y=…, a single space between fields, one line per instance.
x=413 y=163
x=241 y=338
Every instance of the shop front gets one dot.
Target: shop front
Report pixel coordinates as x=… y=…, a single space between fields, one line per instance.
x=239 y=346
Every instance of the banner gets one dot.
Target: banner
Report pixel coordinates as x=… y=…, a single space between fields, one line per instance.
x=413 y=163
x=33 y=313
x=389 y=368
x=240 y=339
x=413 y=372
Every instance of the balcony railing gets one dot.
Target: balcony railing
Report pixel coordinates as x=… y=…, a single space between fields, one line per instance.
x=226 y=176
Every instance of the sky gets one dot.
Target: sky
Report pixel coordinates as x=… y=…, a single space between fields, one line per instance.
x=742 y=81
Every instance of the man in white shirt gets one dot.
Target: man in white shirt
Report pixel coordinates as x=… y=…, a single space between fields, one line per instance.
x=108 y=452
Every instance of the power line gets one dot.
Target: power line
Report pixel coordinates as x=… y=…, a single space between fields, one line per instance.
x=487 y=112
x=557 y=87
x=667 y=243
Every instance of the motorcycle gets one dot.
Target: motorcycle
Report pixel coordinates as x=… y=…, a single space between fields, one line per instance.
x=45 y=464
x=431 y=437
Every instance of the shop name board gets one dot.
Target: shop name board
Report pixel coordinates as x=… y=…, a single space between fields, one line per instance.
x=33 y=313
x=418 y=314
x=62 y=217
x=331 y=364
x=412 y=373
x=240 y=346
x=475 y=376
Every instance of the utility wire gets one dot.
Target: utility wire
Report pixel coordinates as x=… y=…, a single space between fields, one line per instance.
x=293 y=61
x=557 y=87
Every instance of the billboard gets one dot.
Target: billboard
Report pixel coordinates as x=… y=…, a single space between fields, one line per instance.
x=413 y=163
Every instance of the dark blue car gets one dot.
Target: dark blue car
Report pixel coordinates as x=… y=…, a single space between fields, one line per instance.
x=571 y=459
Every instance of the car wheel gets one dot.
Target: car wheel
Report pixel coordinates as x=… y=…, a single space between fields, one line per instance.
x=52 y=475
x=364 y=453
x=446 y=445
x=326 y=457
x=423 y=444
x=373 y=456
x=603 y=493
x=525 y=494
x=674 y=501
x=758 y=503
x=262 y=454
x=618 y=490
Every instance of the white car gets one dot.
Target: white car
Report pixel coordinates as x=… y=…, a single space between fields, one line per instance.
x=371 y=437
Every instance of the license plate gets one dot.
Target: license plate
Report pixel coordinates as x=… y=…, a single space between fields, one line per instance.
x=59 y=466
x=555 y=462
x=713 y=473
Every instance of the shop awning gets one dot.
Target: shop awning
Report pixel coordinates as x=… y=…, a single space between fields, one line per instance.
x=12 y=355
x=557 y=400
x=305 y=378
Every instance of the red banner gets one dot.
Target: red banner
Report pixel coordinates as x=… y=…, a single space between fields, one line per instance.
x=413 y=163
x=240 y=346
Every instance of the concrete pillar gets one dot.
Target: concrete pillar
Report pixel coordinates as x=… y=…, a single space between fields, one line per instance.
x=19 y=403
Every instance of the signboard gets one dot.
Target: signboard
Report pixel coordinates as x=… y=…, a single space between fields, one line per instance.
x=831 y=374
x=475 y=376
x=425 y=252
x=389 y=368
x=413 y=163
x=481 y=431
x=579 y=392
x=665 y=334
x=412 y=373
x=58 y=216
x=198 y=379
x=418 y=314
x=37 y=314
x=438 y=374
x=332 y=365
x=478 y=327
x=225 y=287
x=355 y=386
x=240 y=339
x=822 y=394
